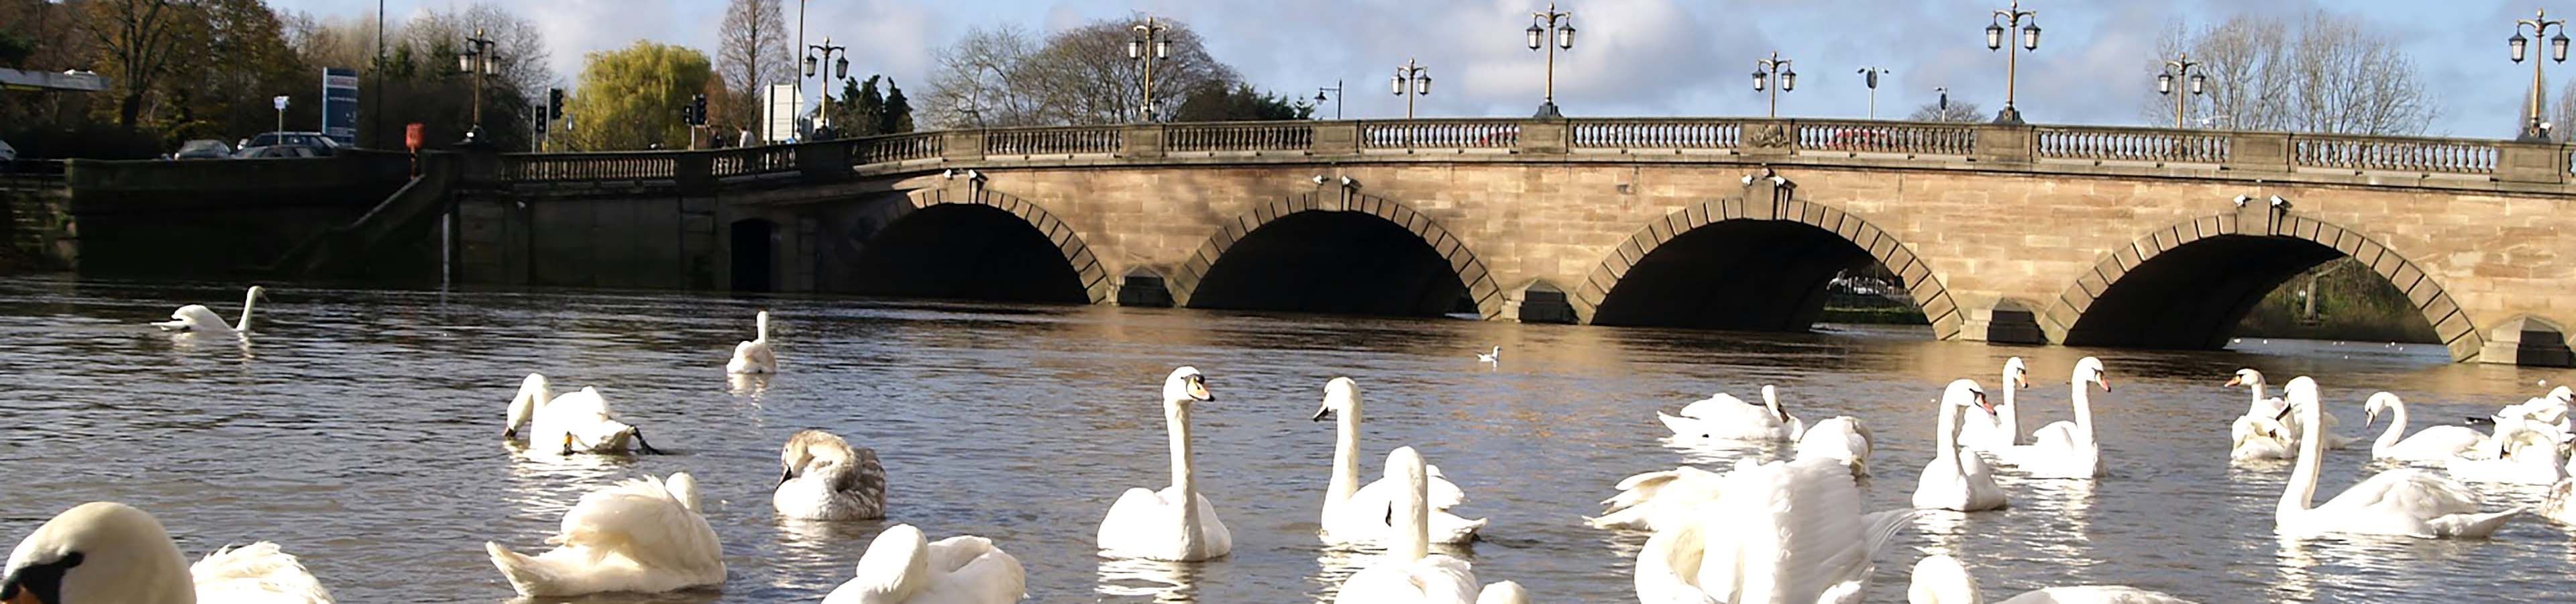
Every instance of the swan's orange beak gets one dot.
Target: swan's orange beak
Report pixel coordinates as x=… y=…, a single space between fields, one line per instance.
x=2235 y=381
x=1198 y=390
x=24 y=596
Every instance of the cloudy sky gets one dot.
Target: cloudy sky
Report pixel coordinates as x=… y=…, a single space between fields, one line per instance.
x=1631 y=58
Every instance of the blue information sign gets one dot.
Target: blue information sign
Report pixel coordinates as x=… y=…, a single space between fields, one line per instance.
x=340 y=105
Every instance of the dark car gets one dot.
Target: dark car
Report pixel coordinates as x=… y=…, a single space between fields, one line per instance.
x=203 y=149
x=315 y=140
x=281 y=152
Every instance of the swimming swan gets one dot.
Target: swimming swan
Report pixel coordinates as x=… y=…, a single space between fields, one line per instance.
x=2404 y=501
x=904 y=567
x=111 y=553
x=2067 y=449
x=1722 y=416
x=568 y=424
x=196 y=318
x=1956 y=480
x=1177 y=524
x=2430 y=444
x=1841 y=438
x=642 y=536
x=1360 y=515
x=2002 y=428
x=824 y=478
x=1783 y=532
x=1409 y=572
x=2521 y=452
x=1940 y=579
x=754 y=357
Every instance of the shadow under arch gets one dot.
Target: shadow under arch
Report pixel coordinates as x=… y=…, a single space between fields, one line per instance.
x=979 y=244
x=2188 y=285
x=1335 y=253
x=1762 y=265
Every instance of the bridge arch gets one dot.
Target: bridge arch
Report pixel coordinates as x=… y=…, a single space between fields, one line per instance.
x=1679 y=270
x=975 y=243
x=2188 y=284
x=1335 y=251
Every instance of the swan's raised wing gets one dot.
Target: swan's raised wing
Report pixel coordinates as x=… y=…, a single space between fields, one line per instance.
x=1381 y=493
x=2413 y=492
x=259 y=572
x=1644 y=497
x=644 y=521
x=1434 y=578
x=1139 y=517
x=193 y=317
x=1721 y=406
x=1668 y=567
x=1797 y=531
x=970 y=569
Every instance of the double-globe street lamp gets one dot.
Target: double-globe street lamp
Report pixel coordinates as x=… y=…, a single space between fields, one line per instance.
x=1150 y=37
x=2180 y=69
x=477 y=63
x=2007 y=19
x=1775 y=67
x=1869 y=77
x=832 y=71
x=2533 y=129
x=1410 y=73
x=1557 y=24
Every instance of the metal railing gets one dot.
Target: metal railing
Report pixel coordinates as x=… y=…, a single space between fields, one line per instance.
x=1290 y=136
x=1920 y=138
x=1071 y=140
x=1654 y=134
x=577 y=167
x=2130 y=144
x=895 y=148
x=1440 y=134
x=2427 y=155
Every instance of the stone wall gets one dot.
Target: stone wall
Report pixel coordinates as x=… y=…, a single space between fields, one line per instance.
x=203 y=219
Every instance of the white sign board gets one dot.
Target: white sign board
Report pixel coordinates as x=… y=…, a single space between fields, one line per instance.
x=782 y=105
x=281 y=102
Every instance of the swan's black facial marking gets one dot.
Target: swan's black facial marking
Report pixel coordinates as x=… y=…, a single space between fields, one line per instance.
x=1323 y=414
x=40 y=583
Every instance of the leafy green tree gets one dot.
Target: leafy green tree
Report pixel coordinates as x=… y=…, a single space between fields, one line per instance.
x=631 y=98
x=896 y=118
x=1218 y=102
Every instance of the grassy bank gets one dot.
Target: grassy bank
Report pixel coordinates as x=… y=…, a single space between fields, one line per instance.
x=2353 y=303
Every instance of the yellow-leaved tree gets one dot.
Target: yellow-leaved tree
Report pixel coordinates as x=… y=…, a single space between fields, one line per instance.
x=631 y=98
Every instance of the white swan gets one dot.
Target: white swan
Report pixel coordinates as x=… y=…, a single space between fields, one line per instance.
x=644 y=535
x=2067 y=449
x=754 y=357
x=1955 y=480
x=1722 y=416
x=2560 y=505
x=196 y=318
x=1655 y=501
x=1940 y=579
x=1176 y=524
x=1360 y=515
x=1410 y=572
x=1783 y=532
x=2551 y=408
x=2396 y=502
x=2002 y=428
x=1491 y=359
x=2521 y=452
x=904 y=567
x=2263 y=432
x=1841 y=438
x=824 y=478
x=113 y=553
x=573 y=423
x=2430 y=444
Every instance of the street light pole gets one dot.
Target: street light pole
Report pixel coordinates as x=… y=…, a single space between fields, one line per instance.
x=477 y=65
x=1337 y=98
x=1546 y=24
x=832 y=70
x=1869 y=77
x=1765 y=69
x=2180 y=68
x=2007 y=19
x=2535 y=130
x=1418 y=76
x=1150 y=38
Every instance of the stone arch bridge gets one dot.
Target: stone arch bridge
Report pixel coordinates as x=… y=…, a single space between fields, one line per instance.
x=2078 y=235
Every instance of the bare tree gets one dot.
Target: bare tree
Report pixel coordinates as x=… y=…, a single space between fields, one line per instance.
x=751 y=54
x=135 y=37
x=982 y=81
x=1080 y=76
x=2322 y=73
x=519 y=48
x=1947 y=110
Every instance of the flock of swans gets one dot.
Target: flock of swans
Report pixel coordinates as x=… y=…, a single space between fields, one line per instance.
x=1789 y=531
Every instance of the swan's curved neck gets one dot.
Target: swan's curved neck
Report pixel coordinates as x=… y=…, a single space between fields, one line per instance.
x=2302 y=490
x=2083 y=411
x=2254 y=406
x=249 y=300
x=2396 y=427
x=1177 y=415
x=1946 y=447
x=1346 y=462
x=762 y=331
x=1412 y=516
x=2011 y=418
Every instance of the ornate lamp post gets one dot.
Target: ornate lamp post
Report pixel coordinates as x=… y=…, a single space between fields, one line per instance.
x=2180 y=68
x=1415 y=74
x=2535 y=130
x=478 y=64
x=2006 y=19
x=1546 y=24
x=832 y=71
x=1765 y=69
x=1149 y=36
x=1869 y=77
x=1337 y=98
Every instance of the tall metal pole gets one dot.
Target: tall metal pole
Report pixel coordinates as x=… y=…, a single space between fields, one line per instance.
x=2179 y=70
x=2007 y=21
x=1150 y=47
x=798 y=106
x=1411 y=80
x=1869 y=78
x=1774 y=68
x=825 y=67
x=2534 y=129
x=1550 y=30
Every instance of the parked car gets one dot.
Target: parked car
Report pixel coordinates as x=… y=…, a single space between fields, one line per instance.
x=315 y=140
x=281 y=152
x=8 y=153
x=203 y=149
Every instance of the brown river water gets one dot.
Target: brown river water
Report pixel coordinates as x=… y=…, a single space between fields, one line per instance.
x=359 y=429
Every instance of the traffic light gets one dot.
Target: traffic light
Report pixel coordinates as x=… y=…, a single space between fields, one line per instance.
x=698 y=110
x=554 y=103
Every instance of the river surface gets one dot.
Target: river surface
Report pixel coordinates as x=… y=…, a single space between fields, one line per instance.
x=360 y=429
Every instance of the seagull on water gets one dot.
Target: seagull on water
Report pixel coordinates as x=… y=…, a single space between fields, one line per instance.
x=1491 y=359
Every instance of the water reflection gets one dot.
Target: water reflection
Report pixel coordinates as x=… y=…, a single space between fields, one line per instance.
x=1719 y=452
x=1336 y=563
x=1157 y=579
x=815 y=543
x=751 y=385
